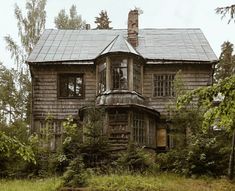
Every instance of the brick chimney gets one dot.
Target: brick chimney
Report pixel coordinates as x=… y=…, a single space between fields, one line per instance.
x=133 y=27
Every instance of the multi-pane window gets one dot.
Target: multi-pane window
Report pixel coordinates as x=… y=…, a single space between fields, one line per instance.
x=50 y=133
x=70 y=85
x=139 y=134
x=137 y=76
x=163 y=85
x=119 y=73
x=102 y=77
x=118 y=122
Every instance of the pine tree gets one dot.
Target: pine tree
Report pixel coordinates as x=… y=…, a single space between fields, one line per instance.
x=71 y=21
x=228 y=10
x=226 y=65
x=103 y=21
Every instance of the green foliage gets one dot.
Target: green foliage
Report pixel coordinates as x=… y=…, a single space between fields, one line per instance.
x=95 y=147
x=50 y=184
x=71 y=21
x=166 y=182
x=103 y=21
x=135 y=159
x=75 y=175
x=226 y=66
x=202 y=156
x=222 y=115
x=30 y=28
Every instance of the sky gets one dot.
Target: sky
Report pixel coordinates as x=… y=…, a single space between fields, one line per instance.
x=156 y=14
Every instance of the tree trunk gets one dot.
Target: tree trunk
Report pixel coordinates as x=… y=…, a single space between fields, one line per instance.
x=231 y=159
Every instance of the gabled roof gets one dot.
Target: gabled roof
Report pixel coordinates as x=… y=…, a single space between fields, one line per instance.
x=154 y=44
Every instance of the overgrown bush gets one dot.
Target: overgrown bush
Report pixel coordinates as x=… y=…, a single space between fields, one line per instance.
x=135 y=159
x=75 y=175
x=203 y=156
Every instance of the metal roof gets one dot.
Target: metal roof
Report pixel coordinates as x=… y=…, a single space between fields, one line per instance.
x=166 y=44
x=119 y=44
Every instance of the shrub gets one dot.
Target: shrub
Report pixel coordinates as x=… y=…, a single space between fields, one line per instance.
x=134 y=159
x=75 y=175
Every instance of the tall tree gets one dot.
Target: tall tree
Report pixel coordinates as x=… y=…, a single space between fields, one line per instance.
x=30 y=28
x=71 y=21
x=103 y=21
x=226 y=65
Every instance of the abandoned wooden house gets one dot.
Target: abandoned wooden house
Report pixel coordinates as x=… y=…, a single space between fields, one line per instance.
x=129 y=72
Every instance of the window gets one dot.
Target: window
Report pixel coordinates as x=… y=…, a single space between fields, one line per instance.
x=151 y=132
x=138 y=128
x=71 y=85
x=119 y=73
x=102 y=77
x=50 y=133
x=137 y=76
x=163 y=85
x=118 y=122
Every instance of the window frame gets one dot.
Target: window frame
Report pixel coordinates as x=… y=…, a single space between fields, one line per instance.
x=112 y=67
x=170 y=88
x=81 y=75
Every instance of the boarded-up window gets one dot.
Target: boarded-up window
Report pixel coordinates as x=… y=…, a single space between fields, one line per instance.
x=102 y=77
x=139 y=134
x=119 y=73
x=70 y=86
x=161 y=138
x=137 y=76
x=163 y=85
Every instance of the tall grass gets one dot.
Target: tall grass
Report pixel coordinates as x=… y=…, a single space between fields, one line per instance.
x=30 y=185
x=162 y=182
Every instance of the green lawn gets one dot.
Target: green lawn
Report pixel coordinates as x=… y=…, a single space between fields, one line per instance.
x=163 y=182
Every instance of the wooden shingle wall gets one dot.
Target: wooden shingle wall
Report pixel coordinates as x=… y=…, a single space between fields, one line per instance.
x=193 y=76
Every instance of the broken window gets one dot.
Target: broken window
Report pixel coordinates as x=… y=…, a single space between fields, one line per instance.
x=163 y=85
x=139 y=134
x=102 y=77
x=119 y=73
x=71 y=85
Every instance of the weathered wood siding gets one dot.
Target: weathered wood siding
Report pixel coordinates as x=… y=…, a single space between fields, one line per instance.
x=193 y=75
x=45 y=99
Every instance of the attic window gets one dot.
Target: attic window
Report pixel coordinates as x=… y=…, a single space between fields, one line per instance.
x=70 y=86
x=163 y=85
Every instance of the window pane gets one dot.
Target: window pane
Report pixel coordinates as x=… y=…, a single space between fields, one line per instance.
x=70 y=85
x=163 y=85
x=119 y=73
x=63 y=86
x=102 y=77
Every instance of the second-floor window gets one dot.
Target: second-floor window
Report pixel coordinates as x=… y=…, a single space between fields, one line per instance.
x=163 y=85
x=119 y=73
x=102 y=77
x=70 y=86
